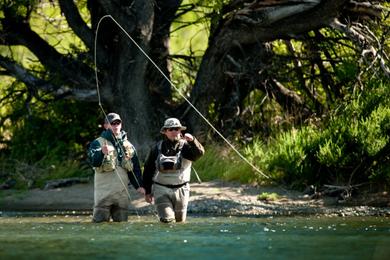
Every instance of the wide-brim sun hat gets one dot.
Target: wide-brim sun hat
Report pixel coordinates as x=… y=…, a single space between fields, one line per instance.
x=172 y=123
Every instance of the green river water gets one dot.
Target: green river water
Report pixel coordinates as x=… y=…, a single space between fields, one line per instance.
x=73 y=236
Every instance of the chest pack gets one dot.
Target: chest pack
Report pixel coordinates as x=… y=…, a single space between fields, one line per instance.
x=169 y=163
x=110 y=161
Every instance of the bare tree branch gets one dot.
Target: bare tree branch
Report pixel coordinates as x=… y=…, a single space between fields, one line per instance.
x=34 y=83
x=364 y=42
x=300 y=75
x=76 y=22
x=70 y=70
x=267 y=12
x=365 y=8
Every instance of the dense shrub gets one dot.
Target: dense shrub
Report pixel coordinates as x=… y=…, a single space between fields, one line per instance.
x=48 y=143
x=221 y=163
x=351 y=147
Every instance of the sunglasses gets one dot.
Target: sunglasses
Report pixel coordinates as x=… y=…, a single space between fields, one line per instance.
x=116 y=123
x=173 y=129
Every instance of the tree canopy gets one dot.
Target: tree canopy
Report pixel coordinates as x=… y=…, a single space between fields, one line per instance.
x=259 y=65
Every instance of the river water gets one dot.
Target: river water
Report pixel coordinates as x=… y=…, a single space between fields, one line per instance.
x=73 y=236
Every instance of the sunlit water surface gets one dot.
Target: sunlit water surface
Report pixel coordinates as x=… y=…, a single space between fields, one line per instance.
x=73 y=236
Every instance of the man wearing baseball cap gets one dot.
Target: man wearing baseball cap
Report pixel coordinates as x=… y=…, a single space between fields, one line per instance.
x=116 y=165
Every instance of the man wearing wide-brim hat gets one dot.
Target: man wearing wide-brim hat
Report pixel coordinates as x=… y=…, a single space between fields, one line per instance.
x=167 y=171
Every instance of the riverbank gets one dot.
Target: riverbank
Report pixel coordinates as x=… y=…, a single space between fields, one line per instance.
x=216 y=198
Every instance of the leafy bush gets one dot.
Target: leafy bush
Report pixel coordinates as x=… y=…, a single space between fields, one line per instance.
x=222 y=163
x=351 y=147
x=24 y=175
x=47 y=144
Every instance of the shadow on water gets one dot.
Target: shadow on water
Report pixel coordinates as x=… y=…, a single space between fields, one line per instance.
x=62 y=235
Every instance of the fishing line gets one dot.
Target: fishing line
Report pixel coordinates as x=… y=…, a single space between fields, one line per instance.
x=106 y=119
x=173 y=85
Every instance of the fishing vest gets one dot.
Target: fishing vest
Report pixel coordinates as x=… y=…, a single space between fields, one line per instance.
x=110 y=160
x=172 y=170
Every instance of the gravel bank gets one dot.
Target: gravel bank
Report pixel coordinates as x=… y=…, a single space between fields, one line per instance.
x=215 y=198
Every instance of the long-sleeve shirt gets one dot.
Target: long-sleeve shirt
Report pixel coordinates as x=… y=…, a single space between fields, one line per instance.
x=96 y=156
x=191 y=150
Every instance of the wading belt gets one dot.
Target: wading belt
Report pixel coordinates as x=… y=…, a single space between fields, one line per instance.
x=171 y=186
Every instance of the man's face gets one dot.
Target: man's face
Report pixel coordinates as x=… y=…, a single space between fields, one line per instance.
x=173 y=133
x=115 y=127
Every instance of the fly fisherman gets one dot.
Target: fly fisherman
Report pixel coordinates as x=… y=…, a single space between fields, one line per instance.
x=168 y=169
x=115 y=162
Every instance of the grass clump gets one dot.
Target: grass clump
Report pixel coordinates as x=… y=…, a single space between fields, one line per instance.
x=268 y=196
x=221 y=163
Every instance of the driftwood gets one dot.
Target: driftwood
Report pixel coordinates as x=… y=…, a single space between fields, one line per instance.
x=344 y=192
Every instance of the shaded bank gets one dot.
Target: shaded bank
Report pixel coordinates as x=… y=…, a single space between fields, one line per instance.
x=216 y=198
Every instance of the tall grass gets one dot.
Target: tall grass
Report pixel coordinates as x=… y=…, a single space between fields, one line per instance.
x=221 y=163
x=351 y=146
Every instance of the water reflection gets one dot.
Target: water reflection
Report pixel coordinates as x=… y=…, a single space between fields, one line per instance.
x=72 y=235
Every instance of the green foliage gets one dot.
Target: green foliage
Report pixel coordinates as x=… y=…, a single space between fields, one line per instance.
x=39 y=142
x=346 y=149
x=268 y=196
x=25 y=175
x=284 y=157
x=48 y=22
x=346 y=71
x=34 y=135
x=193 y=26
x=19 y=7
x=223 y=164
x=48 y=143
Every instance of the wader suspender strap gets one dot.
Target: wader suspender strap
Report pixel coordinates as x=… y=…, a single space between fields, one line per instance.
x=159 y=145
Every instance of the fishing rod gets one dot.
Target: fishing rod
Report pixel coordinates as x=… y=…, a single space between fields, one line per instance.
x=197 y=176
x=116 y=141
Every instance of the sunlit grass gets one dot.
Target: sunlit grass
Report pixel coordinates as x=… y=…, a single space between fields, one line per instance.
x=268 y=196
x=219 y=162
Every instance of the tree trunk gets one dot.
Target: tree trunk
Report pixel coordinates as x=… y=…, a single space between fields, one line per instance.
x=123 y=86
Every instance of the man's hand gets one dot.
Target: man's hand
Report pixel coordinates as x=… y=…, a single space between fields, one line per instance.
x=188 y=137
x=106 y=149
x=149 y=198
x=141 y=190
